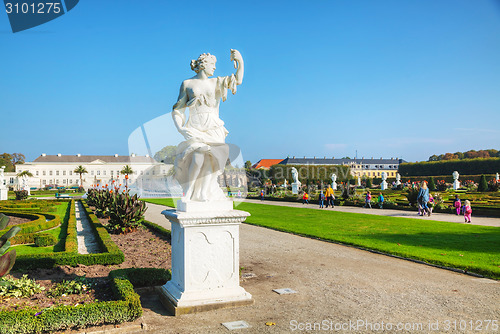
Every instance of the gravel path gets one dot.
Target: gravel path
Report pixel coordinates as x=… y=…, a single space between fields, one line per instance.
x=87 y=242
x=337 y=286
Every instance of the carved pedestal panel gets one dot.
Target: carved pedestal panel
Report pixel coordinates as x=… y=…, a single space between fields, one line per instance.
x=205 y=262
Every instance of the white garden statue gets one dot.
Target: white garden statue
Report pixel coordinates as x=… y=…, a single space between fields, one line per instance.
x=296 y=183
x=383 y=185
x=3 y=188
x=497 y=178
x=398 y=179
x=201 y=158
x=456 y=183
x=334 y=181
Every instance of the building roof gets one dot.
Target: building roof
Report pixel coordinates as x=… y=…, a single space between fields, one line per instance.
x=333 y=161
x=85 y=159
x=266 y=163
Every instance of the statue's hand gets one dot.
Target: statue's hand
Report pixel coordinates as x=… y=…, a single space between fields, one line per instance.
x=190 y=133
x=236 y=57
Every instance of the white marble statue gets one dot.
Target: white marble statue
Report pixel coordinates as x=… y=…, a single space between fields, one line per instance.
x=201 y=158
x=398 y=179
x=456 y=183
x=296 y=183
x=359 y=182
x=496 y=178
x=334 y=181
x=2 y=177
x=284 y=184
x=3 y=189
x=383 y=185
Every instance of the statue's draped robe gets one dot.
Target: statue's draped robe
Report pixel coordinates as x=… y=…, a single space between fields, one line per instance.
x=210 y=138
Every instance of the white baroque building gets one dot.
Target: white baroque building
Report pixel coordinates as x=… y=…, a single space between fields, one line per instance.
x=58 y=170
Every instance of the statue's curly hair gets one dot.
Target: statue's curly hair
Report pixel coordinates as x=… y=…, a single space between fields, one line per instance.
x=199 y=64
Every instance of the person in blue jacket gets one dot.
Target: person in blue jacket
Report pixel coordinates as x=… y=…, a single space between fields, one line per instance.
x=423 y=198
x=381 y=201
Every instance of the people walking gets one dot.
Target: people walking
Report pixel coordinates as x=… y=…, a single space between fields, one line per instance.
x=368 y=199
x=467 y=211
x=381 y=201
x=305 y=198
x=330 y=197
x=457 y=204
x=321 y=199
x=262 y=195
x=423 y=198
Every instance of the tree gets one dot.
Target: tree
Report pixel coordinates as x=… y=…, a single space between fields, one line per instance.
x=6 y=160
x=483 y=184
x=126 y=170
x=432 y=184
x=248 y=165
x=18 y=158
x=24 y=173
x=80 y=170
x=166 y=154
x=368 y=183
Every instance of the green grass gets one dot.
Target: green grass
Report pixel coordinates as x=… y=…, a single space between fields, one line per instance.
x=162 y=201
x=59 y=232
x=468 y=247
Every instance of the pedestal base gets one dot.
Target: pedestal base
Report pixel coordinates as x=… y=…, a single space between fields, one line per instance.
x=295 y=188
x=383 y=185
x=205 y=262
x=4 y=194
x=456 y=185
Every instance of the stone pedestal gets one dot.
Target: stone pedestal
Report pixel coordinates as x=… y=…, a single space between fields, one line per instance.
x=334 y=185
x=383 y=185
x=4 y=193
x=205 y=259
x=295 y=188
x=456 y=185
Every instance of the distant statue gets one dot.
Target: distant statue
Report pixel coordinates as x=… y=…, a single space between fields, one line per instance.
x=383 y=185
x=284 y=184
x=2 y=177
x=295 y=175
x=334 y=181
x=202 y=157
x=456 y=183
x=496 y=178
x=398 y=179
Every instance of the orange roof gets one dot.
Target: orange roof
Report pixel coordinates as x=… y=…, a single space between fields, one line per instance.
x=266 y=163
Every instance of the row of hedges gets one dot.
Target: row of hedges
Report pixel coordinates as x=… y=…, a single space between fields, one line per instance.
x=447 y=167
x=278 y=173
x=111 y=254
x=127 y=307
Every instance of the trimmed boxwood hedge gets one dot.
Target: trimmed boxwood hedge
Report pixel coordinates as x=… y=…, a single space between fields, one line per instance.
x=157 y=228
x=111 y=254
x=447 y=167
x=127 y=307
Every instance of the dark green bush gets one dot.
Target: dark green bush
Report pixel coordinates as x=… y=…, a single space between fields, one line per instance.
x=21 y=194
x=483 y=184
x=44 y=240
x=447 y=167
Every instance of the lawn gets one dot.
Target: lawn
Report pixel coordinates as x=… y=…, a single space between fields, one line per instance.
x=468 y=247
x=161 y=201
x=59 y=232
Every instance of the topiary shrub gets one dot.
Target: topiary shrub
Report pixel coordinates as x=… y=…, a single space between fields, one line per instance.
x=368 y=182
x=483 y=184
x=21 y=194
x=432 y=184
x=45 y=239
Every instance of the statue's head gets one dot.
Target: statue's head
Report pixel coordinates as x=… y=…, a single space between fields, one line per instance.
x=206 y=62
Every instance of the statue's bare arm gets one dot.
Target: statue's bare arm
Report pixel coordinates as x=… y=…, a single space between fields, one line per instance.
x=238 y=65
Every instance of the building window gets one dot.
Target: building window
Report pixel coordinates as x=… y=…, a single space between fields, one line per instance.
x=70 y=172
x=64 y=181
x=36 y=173
x=43 y=173
x=91 y=172
x=44 y=182
x=57 y=172
x=64 y=172
x=50 y=173
x=103 y=172
x=112 y=173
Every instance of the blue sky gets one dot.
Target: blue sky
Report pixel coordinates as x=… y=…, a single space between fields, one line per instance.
x=322 y=78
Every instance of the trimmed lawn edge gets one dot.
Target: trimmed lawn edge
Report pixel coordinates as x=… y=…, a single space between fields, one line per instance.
x=381 y=252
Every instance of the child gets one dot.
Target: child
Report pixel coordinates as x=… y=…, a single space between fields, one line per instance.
x=305 y=198
x=321 y=199
x=467 y=211
x=381 y=201
x=368 y=199
x=457 y=204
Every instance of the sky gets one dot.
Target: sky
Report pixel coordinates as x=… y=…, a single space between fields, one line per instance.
x=386 y=78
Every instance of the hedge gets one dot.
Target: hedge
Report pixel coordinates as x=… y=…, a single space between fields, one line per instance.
x=447 y=167
x=157 y=228
x=111 y=254
x=278 y=173
x=127 y=307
